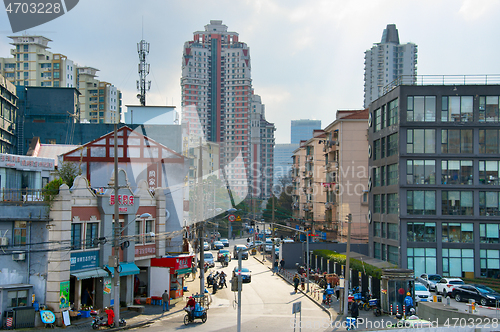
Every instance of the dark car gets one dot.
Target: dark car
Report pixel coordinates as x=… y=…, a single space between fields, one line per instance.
x=238 y=247
x=245 y=274
x=480 y=293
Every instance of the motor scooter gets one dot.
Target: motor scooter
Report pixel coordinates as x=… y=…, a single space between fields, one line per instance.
x=99 y=321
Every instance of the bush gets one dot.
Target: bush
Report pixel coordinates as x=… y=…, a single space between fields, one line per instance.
x=51 y=190
x=354 y=264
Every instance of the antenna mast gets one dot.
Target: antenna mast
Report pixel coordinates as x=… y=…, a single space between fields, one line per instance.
x=142 y=85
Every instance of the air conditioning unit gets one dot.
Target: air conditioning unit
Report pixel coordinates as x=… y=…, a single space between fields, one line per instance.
x=18 y=256
x=4 y=241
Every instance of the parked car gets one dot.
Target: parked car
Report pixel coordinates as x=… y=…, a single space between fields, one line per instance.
x=218 y=245
x=429 y=280
x=225 y=242
x=269 y=245
x=238 y=247
x=246 y=275
x=480 y=293
x=206 y=246
x=208 y=257
x=422 y=294
x=446 y=285
x=222 y=253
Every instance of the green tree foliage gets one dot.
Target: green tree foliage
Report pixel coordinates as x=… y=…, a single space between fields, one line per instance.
x=354 y=264
x=68 y=172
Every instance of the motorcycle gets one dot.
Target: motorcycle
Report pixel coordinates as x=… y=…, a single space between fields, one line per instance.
x=210 y=279
x=99 y=321
x=191 y=316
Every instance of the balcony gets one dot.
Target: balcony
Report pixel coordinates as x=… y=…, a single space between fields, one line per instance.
x=24 y=204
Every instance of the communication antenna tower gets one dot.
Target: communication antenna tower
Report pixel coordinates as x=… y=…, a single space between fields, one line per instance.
x=142 y=85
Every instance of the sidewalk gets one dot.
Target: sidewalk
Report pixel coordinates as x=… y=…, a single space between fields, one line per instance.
x=151 y=312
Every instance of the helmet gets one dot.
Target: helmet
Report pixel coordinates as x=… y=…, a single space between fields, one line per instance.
x=408 y=294
x=412 y=311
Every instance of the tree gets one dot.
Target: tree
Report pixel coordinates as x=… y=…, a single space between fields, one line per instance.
x=68 y=172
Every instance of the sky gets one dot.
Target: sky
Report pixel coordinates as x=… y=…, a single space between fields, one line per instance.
x=307 y=57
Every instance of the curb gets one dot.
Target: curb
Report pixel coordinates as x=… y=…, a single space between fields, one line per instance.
x=307 y=295
x=143 y=323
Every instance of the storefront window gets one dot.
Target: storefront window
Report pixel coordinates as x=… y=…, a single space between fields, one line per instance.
x=489 y=233
x=489 y=172
x=76 y=236
x=490 y=260
x=421 y=232
x=422 y=260
x=421 y=202
x=458 y=232
x=457 y=261
x=457 y=203
x=456 y=172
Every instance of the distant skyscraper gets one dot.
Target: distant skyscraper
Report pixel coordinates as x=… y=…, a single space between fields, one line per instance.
x=218 y=103
x=302 y=130
x=386 y=61
x=283 y=160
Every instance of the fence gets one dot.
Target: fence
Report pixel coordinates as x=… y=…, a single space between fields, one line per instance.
x=22 y=195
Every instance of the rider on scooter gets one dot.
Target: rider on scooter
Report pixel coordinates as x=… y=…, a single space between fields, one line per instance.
x=111 y=315
x=191 y=303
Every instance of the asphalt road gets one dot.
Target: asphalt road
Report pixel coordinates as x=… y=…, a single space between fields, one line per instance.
x=266 y=306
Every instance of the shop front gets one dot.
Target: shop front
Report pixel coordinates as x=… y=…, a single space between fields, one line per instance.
x=180 y=266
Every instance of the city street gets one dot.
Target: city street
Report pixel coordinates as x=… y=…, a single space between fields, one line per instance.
x=266 y=305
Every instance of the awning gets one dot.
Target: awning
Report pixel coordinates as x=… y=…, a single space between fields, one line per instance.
x=127 y=269
x=183 y=271
x=96 y=272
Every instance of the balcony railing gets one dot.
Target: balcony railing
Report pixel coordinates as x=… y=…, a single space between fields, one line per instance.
x=22 y=195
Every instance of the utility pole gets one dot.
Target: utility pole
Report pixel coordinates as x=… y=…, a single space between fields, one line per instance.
x=274 y=235
x=347 y=268
x=201 y=241
x=116 y=242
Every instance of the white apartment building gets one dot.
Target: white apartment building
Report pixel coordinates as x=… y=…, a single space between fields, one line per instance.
x=388 y=61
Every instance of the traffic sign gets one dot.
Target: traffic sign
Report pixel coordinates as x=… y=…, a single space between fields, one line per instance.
x=238 y=218
x=297 y=306
x=231 y=217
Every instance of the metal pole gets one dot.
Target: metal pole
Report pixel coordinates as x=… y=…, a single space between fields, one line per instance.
x=116 y=278
x=239 y=291
x=200 y=220
x=347 y=261
x=307 y=248
x=274 y=236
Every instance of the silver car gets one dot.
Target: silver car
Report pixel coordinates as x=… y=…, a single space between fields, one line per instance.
x=429 y=280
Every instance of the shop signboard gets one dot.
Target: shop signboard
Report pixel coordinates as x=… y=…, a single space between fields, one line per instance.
x=107 y=286
x=64 y=295
x=84 y=260
x=176 y=263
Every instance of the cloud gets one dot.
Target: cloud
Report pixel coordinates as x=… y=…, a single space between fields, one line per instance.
x=473 y=10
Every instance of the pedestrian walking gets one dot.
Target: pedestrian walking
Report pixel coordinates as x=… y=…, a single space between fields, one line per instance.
x=282 y=265
x=275 y=266
x=296 y=281
x=354 y=311
x=165 y=298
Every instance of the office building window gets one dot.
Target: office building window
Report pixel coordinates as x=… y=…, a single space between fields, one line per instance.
x=393 y=254
x=150 y=228
x=488 y=141
x=421 y=171
x=378 y=120
x=458 y=232
x=392 y=231
x=383 y=175
x=393 y=112
x=456 y=109
x=488 y=109
x=489 y=233
x=457 y=203
x=377 y=229
x=421 y=141
x=376 y=150
x=19 y=233
x=138 y=232
x=421 y=202
x=456 y=172
x=421 y=231
x=489 y=203
x=456 y=141
x=392 y=174
x=457 y=261
x=490 y=260
x=76 y=236
x=383 y=204
x=392 y=204
x=392 y=145
x=376 y=177
x=421 y=108
x=422 y=260
x=376 y=203
x=489 y=172
x=376 y=250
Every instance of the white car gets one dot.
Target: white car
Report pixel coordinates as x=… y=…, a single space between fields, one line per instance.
x=206 y=246
x=208 y=257
x=422 y=294
x=446 y=285
x=269 y=245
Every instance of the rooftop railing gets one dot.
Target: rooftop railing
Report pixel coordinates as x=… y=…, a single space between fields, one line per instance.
x=442 y=80
x=22 y=195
